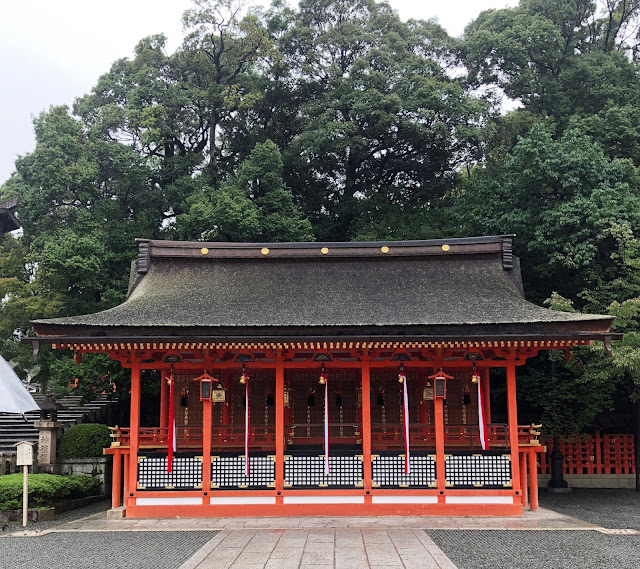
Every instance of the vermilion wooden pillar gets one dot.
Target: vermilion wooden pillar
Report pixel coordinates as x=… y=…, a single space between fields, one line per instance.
x=512 y=417
x=125 y=478
x=226 y=406
x=116 y=479
x=438 y=416
x=486 y=393
x=279 y=427
x=523 y=477
x=134 y=425
x=533 y=479
x=206 y=447
x=423 y=406
x=164 y=401
x=366 y=422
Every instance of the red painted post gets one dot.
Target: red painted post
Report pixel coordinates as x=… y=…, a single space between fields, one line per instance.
x=486 y=393
x=512 y=417
x=366 y=422
x=523 y=476
x=206 y=444
x=116 y=479
x=439 y=421
x=542 y=469
x=134 y=431
x=606 y=458
x=226 y=406
x=279 y=424
x=423 y=406
x=125 y=482
x=533 y=480
x=164 y=402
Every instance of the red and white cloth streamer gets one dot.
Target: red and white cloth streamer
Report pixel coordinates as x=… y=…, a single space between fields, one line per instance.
x=484 y=440
x=405 y=416
x=246 y=424
x=171 y=427
x=327 y=470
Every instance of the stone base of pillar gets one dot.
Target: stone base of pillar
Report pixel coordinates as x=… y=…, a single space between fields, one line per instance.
x=116 y=513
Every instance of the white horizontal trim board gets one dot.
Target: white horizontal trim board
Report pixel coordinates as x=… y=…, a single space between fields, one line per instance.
x=478 y=500
x=241 y=500
x=168 y=501
x=323 y=500
x=404 y=499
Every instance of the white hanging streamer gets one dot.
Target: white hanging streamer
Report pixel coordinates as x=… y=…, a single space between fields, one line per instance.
x=326 y=427
x=246 y=427
x=405 y=409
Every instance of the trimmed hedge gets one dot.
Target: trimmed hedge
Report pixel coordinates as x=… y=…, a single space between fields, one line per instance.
x=84 y=441
x=45 y=489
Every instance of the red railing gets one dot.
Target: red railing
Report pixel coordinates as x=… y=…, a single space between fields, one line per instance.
x=191 y=437
x=458 y=436
x=597 y=454
x=382 y=436
x=594 y=454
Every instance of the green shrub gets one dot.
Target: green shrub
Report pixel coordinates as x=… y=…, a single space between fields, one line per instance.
x=45 y=489
x=84 y=441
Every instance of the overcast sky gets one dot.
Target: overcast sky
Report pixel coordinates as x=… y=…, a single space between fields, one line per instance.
x=52 y=51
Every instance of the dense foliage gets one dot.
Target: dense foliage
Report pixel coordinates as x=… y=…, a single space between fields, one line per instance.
x=85 y=440
x=45 y=489
x=336 y=120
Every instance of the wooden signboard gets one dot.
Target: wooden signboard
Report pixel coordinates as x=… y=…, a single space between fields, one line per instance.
x=24 y=454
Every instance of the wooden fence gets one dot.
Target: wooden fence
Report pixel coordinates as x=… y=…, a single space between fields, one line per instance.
x=594 y=454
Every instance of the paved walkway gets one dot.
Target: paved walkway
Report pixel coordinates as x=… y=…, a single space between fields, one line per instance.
x=319 y=543
x=587 y=529
x=320 y=548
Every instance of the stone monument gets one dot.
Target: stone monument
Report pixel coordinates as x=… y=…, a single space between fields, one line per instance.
x=48 y=427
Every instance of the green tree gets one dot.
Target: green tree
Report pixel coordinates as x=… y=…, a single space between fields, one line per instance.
x=575 y=211
x=572 y=61
x=82 y=203
x=254 y=205
x=382 y=126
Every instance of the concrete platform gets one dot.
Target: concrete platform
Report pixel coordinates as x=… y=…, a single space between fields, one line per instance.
x=542 y=519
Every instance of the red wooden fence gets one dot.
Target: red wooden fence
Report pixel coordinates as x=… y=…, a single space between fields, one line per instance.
x=595 y=454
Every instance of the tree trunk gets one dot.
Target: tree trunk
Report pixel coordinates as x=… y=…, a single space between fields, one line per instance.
x=213 y=149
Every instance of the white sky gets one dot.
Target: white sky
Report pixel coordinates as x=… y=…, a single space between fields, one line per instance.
x=52 y=51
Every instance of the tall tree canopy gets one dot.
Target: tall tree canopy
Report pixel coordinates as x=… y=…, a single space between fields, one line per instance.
x=336 y=120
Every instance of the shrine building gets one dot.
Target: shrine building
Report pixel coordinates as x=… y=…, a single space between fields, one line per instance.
x=325 y=378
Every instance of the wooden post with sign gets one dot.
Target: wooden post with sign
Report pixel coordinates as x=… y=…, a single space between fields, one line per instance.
x=24 y=458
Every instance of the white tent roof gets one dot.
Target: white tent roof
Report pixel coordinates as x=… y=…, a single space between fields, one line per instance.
x=14 y=398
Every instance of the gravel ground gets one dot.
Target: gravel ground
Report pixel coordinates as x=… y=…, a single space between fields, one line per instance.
x=112 y=550
x=612 y=509
x=606 y=508
x=489 y=549
x=538 y=549
x=80 y=550
x=101 y=506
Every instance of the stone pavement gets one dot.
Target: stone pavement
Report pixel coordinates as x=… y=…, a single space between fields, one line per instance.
x=319 y=548
x=588 y=529
x=319 y=542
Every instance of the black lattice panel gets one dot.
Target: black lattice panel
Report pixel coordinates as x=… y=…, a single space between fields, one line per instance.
x=389 y=471
x=471 y=471
x=344 y=471
x=229 y=472
x=186 y=473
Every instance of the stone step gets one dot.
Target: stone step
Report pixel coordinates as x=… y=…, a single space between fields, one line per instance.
x=14 y=428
